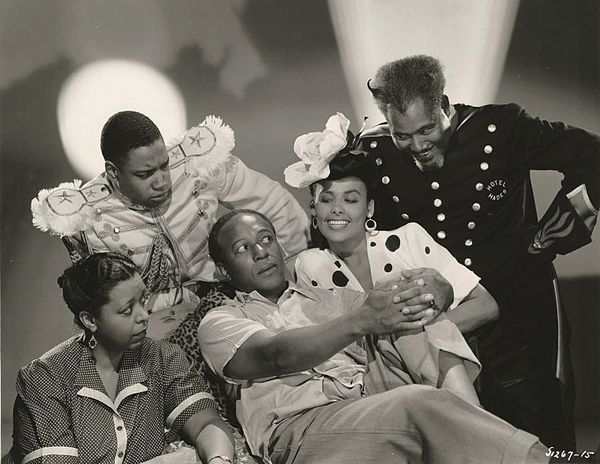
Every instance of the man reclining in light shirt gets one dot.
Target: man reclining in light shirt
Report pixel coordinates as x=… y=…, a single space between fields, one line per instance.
x=315 y=388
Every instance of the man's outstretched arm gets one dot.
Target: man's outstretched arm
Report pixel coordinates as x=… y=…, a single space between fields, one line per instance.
x=266 y=354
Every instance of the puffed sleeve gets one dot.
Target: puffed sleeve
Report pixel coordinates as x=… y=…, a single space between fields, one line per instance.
x=426 y=252
x=311 y=269
x=186 y=392
x=241 y=187
x=43 y=430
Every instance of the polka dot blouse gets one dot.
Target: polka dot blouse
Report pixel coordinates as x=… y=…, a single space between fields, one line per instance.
x=389 y=252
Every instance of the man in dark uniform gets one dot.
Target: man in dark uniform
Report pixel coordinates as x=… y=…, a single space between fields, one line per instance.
x=463 y=173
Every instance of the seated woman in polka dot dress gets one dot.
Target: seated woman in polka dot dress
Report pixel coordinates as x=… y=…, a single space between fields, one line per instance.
x=351 y=253
x=107 y=394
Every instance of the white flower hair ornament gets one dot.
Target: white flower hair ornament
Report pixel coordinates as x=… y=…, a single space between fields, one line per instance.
x=317 y=149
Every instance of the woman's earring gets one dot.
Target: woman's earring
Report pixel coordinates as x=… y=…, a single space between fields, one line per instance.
x=90 y=340
x=370 y=225
x=314 y=222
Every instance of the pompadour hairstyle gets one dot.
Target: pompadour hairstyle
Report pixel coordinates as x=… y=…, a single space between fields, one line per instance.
x=398 y=83
x=215 y=250
x=87 y=284
x=125 y=131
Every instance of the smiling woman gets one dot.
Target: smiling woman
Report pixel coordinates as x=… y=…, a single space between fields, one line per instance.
x=103 y=396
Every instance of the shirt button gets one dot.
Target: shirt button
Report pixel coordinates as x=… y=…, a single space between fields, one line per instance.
x=404 y=216
x=484 y=166
x=378 y=161
x=479 y=186
x=437 y=202
x=385 y=180
x=488 y=149
x=120 y=454
x=492 y=128
x=468 y=242
x=396 y=199
x=441 y=234
x=441 y=217
x=435 y=185
x=471 y=225
x=119 y=428
x=468 y=261
x=476 y=206
x=373 y=144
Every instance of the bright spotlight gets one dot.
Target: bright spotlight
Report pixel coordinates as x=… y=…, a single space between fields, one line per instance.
x=97 y=91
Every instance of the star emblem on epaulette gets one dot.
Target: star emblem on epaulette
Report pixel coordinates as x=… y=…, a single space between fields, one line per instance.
x=197 y=139
x=64 y=196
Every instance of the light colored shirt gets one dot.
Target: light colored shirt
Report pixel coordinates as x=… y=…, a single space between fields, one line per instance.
x=389 y=252
x=63 y=413
x=264 y=403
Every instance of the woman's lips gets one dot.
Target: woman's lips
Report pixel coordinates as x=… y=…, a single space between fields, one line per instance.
x=337 y=223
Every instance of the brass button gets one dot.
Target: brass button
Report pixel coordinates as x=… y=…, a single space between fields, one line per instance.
x=435 y=185
x=476 y=207
x=468 y=261
x=373 y=144
x=385 y=180
x=441 y=234
x=378 y=161
x=492 y=128
x=471 y=225
x=404 y=216
x=479 y=186
x=437 y=202
x=441 y=217
x=488 y=149
x=484 y=166
x=468 y=242
x=396 y=199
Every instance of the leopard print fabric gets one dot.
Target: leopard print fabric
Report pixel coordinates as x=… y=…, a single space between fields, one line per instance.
x=186 y=336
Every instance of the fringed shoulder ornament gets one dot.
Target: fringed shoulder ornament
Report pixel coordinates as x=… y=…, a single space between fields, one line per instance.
x=212 y=140
x=66 y=209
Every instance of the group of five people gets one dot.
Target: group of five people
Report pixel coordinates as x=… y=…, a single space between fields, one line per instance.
x=423 y=233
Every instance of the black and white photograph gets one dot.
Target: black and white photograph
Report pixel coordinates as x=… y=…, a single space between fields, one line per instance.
x=296 y=232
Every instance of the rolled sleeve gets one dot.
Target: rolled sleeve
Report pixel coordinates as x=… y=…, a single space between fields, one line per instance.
x=186 y=391
x=221 y=333
x=42 y=424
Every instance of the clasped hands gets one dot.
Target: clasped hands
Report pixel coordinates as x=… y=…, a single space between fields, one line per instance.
x=407 y=304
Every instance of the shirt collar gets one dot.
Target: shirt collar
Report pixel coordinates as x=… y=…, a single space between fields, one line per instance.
x=130 y=371
x=292 y=288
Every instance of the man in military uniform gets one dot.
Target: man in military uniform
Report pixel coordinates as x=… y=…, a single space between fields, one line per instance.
x=463 y=173
x=157 y=206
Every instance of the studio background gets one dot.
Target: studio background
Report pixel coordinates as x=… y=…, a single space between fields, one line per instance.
x=273 y=71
